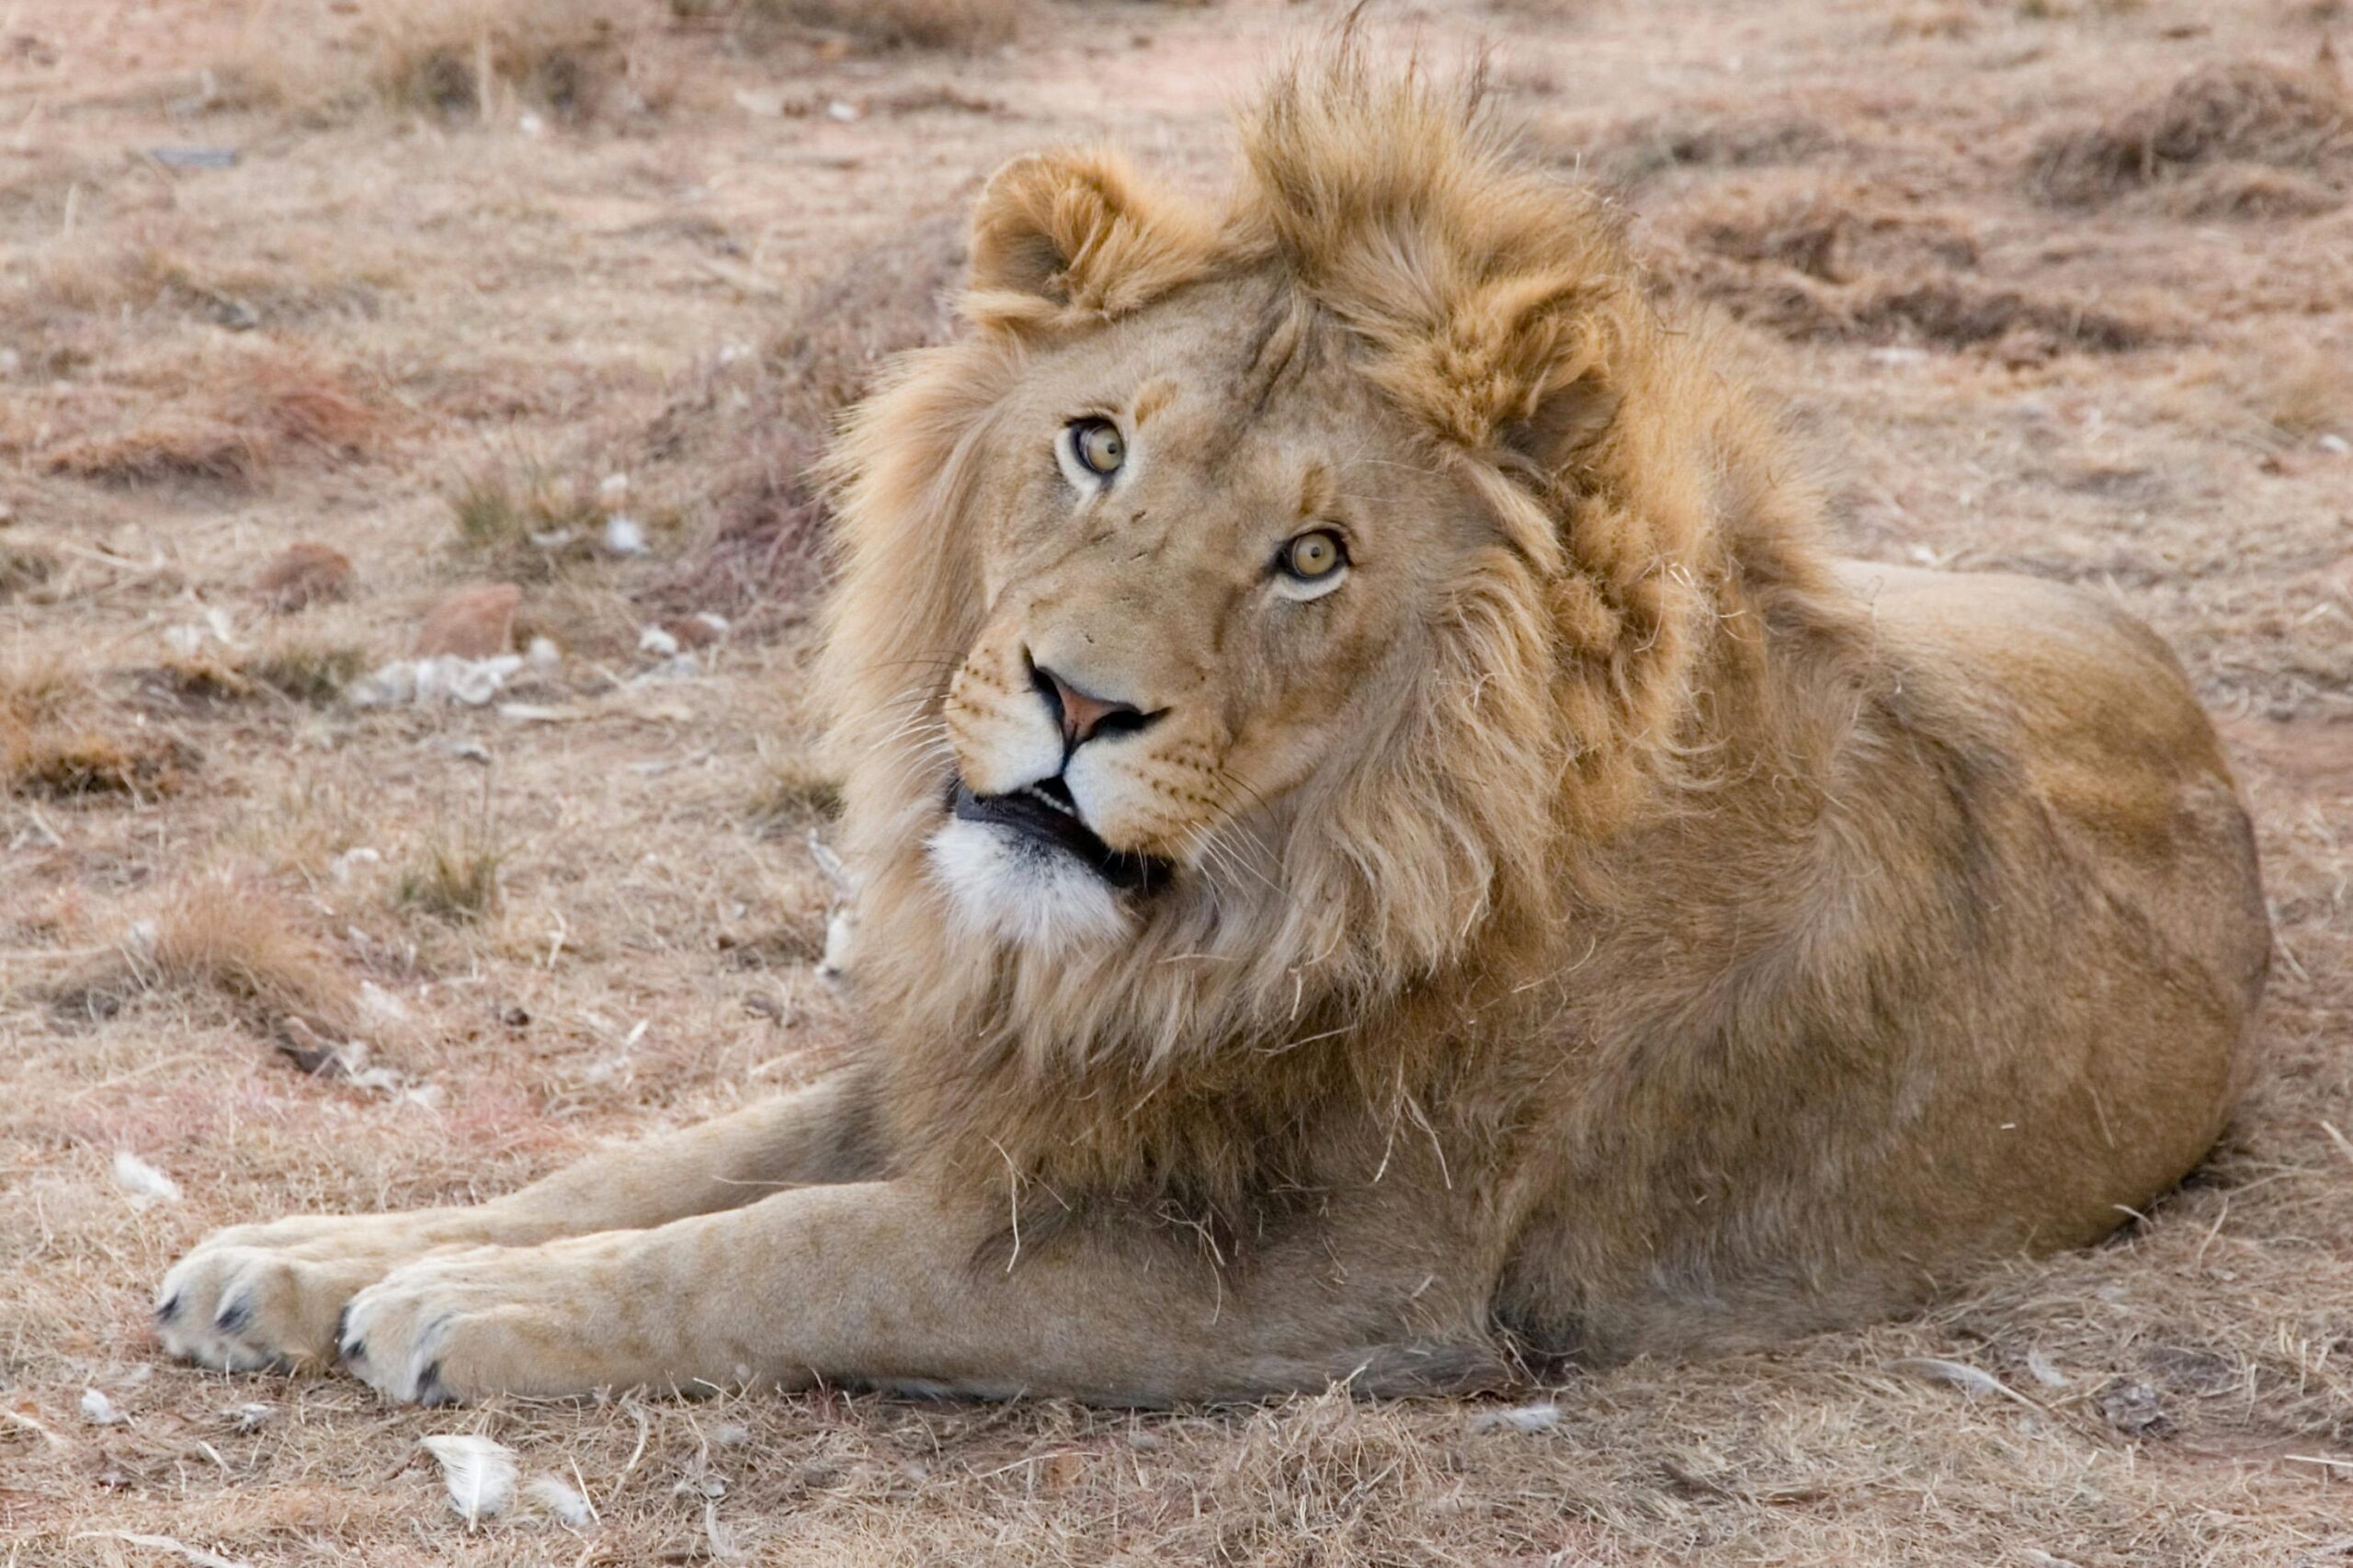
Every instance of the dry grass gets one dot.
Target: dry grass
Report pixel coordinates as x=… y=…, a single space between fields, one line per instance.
x=231 y=941
x=2248 y=111
x=23 y=567
x=452 y=873
x=796 y=789
x=73 y=762
x=524 y=524
x=305 y=671
x=690 y=297
x=295 y=669
x=484 y=59
x=233 y=427
x=968 y=26
x=746 y=433
x=2306 y=389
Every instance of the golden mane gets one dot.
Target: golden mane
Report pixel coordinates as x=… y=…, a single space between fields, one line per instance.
x=1643 y=513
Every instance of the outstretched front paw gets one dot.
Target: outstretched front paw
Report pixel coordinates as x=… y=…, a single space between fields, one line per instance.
x=468 y=1323
x=255 y=1296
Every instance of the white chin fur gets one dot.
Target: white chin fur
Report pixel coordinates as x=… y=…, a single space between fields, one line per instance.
x=1001 y=883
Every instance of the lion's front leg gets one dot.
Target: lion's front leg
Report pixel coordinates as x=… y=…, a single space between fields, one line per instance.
x=882 y=1283
x=253 y=1296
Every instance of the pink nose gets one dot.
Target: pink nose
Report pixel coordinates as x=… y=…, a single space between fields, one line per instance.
x=1083 y=716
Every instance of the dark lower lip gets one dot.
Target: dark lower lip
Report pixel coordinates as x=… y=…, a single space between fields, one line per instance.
x=1041 y=825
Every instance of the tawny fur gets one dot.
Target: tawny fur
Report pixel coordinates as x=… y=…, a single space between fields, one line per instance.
x=1604 y=925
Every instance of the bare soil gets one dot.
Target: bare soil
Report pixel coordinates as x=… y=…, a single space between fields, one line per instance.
x=2063 y=287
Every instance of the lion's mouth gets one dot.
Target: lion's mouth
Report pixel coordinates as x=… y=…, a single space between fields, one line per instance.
x=1044 y=814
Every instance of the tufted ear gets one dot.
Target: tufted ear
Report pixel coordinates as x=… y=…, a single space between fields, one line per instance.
x=1062 y=238
x=1520 y=365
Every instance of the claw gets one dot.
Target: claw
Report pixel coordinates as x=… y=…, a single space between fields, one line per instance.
x=168 y=1308
x=233 y=1317
x=430 y=1388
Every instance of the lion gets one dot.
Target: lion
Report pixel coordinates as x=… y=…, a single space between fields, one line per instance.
x=1390 y=852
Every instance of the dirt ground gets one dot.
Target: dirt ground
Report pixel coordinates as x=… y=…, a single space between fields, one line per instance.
x=2063 y=287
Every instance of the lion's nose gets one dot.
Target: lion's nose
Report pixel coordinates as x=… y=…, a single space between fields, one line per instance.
x=1082 y=714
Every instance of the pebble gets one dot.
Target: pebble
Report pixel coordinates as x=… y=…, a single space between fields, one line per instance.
x=305 y=573
x=473 y=623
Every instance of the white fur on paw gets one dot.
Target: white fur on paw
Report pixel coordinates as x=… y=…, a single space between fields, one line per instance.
x=391 y=1334
x=213 y=1309
x=1001 y=883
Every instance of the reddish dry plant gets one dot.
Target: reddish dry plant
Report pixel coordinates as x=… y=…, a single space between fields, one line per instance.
x=2248 y=111
x=970 y=25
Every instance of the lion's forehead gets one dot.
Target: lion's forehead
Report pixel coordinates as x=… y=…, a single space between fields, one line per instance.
x=1225 y=372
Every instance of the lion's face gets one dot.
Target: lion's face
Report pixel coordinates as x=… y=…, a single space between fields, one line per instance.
x=1208 y=553
x=1235 y=624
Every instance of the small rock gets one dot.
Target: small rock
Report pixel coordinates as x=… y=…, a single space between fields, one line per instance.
x=195 y=157
x=658 y=641
x=305 y=573
x=473 y=623
x=692 y=631
x=2132 y=1408
x=841 y=109
x=2335 y=446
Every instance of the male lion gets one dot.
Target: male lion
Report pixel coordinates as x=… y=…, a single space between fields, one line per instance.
x=1389 y=854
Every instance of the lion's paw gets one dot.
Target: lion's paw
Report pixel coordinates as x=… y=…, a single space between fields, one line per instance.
x=465 y=1323
x=257 y=1296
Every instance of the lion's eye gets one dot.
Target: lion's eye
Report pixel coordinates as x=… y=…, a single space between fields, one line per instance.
x=1312 y=557
x=1100 y=447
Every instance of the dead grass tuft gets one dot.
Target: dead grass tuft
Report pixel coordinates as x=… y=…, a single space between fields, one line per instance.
x=24 y=567
x=171 y=445
x=294 y=670
x=314 y=673
x=524 y=524
x=236 y=940
x=1834 y=236
x=1798 y=286
x=71 y=762
x=2248 y=111
x=58 y=742
x=230 y=429
x=452 y=874
x=1633 y=152
x=200 y=678
x=2248 y=192
x=449 y=59
x=240 y=939
x=2305 y=389
x=796 y=789
x=970 y=25
x=36 y=688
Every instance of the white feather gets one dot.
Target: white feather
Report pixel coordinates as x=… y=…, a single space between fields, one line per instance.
x=479 y=1472
x=179 y=1549
x=558 y=1497
x=100 y=1411
x=1519 y=1418
x=142 y=1182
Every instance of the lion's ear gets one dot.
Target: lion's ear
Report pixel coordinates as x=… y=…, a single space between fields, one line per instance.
x=1059 y=238
x=1562 y=423
x=1535 y=351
